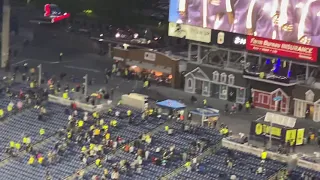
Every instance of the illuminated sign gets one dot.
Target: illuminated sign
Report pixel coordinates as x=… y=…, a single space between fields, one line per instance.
x=291 y=21
x=281 y=48
x=240 y=40
x=220 y=38
x=53 y=11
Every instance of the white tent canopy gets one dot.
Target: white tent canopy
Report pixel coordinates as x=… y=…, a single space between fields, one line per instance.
x=280 y=120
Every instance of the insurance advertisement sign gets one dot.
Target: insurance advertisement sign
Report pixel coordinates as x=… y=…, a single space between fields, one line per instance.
x=281 y=48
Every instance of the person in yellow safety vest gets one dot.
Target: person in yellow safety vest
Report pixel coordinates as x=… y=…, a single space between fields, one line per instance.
x=247 y=105
x=31 y=160
x=92 y=146
x=25 y=140
x=204 y=102
x=119 y=103
x=166 y=128
x=40 y=159
x=69 y=135
x=150 y=112
x=83 y=149
x=65 y=95
x=73 y=90
x=146 y=84
x=105 y=127
x=114 y=123
x=9 y=108
x=101 y=122
x=18 y=146
x=1 y=113
x=98 y=163
x=92 y=127
x=80 y=123
x=12 y=144
x=42 y=132
x=51 y=87
x=187 y=165
x=126 y=72
x=264 y=155
x=32 y=85
x=129 y=113
x=107 y=136
x=96 y=132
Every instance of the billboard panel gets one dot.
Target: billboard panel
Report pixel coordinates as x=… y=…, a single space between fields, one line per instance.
x=285 y=20
x=189 y=32
x=282 y=48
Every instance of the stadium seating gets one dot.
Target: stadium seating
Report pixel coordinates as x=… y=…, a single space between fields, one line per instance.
x=245 y=166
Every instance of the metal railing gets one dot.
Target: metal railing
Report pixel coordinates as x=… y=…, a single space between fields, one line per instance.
x=209 y=151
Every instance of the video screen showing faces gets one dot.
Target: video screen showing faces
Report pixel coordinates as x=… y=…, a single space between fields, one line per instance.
x=285 y=20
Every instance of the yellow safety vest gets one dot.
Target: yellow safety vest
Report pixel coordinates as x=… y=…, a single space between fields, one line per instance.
x=92 y=127
x=83 y=149
x=69 y=135
x=204 y=102
x=96 y=132
x=1 y=112
x=31 y=160
x=101 y=122
x=188 y=164
x=166 y=128
x=65 y=95
x=129 y=112
x=18 y=146
x=31 y=85
x=264 y=155
x=40 y=160
x=105 y=127
x=80 y=123
x=12 y=144
x=92 y=146
x=42 y=131
x=25 y=140
x=107 y=136
x=98 y=162
x=9 y=108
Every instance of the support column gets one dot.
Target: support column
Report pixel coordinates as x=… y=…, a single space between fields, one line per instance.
x=289 y=68
x=228 y=58
x=5 y=37
x=199 y=54
x=260 y=60
x=109 y=50
x=189 y=51
x=307 y=71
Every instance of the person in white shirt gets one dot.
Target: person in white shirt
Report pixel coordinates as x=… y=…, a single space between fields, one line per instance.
x=146 y=154
x=115 y=174
x=117 y=113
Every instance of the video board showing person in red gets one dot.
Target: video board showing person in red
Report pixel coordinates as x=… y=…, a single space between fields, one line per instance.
x=286 y=20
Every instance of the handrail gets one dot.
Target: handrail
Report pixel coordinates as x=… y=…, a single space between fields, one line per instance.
x=209 y=151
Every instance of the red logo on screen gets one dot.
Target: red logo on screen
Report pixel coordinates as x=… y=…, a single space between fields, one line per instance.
x=47 y=10
x=282 y=48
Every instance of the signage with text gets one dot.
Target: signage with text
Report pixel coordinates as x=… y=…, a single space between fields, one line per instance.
x=198 y=34
x=281 y=48
x=149 y=56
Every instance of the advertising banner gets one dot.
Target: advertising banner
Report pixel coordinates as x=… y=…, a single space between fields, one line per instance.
x=281 y=48
x=287 y=20
x=177 y=30
x=198 y=34
x=283 y=134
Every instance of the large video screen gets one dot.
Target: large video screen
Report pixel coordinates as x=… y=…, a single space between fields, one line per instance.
x=286 y=20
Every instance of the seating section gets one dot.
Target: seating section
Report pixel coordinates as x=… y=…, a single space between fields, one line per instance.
x=244 y=167
x=182 y=141
x=297 y=174
x=26 y=123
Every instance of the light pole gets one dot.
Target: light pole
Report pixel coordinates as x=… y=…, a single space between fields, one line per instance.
x=5 y=37
x=85 y=85
x=40 y=74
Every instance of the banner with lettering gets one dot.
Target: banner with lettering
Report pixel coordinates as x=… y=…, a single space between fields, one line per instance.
x=198 y=34
x=281 y=48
